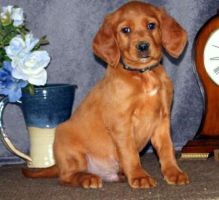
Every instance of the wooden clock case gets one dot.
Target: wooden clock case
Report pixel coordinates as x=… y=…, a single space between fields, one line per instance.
x=207 y=137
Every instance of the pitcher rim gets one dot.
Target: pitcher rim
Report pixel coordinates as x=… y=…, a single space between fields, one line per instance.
x=55 y=85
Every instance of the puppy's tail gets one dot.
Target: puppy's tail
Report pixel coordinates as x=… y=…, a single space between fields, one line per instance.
x=49 y=172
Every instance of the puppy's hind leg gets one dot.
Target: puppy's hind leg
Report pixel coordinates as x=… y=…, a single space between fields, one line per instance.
x=72 y=165
x=73 y=171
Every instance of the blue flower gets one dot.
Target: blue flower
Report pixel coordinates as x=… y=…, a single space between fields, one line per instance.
x=10 y=86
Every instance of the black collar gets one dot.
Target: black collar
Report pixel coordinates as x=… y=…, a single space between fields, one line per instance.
x=141 y=70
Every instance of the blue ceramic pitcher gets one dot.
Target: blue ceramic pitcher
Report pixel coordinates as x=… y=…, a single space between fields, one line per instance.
x=49 y=106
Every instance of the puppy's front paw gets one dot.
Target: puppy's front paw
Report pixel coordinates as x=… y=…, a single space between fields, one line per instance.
x=142 y=182
x=173 y=176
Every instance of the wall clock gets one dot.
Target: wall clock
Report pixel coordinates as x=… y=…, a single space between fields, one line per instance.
x=206 y=63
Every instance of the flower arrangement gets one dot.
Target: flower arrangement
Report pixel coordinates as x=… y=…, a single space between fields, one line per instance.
x=22 y=64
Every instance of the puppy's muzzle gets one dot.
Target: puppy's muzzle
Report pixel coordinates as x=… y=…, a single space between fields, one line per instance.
x=142 y=46
x=142 y=49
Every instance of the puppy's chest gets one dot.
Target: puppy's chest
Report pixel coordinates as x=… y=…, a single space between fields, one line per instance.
x=148 y=102
x=148 y=95
x=150 y=92
x=146 y=114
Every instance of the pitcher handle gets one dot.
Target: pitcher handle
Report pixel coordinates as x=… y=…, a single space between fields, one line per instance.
x=3 y=103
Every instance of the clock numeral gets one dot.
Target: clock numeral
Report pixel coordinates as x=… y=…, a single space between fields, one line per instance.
x=215 y=46
x=216 y=70
x=215 y=58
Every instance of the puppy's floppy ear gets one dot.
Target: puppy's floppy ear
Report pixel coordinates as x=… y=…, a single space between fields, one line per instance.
x=105 y=45
x=174 y=37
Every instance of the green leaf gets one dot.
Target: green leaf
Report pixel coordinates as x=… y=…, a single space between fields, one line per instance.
x=43 y=40
x=22 y=30
x=29 y=89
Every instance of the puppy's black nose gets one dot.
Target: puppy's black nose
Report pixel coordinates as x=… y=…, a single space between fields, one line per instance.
x=142 y=46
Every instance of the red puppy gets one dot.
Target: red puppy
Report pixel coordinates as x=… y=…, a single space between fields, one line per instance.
x=127 y=108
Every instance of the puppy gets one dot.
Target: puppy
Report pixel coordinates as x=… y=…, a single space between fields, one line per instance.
x=127 y=108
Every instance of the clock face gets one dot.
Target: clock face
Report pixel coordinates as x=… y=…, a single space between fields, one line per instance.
x=211 y=56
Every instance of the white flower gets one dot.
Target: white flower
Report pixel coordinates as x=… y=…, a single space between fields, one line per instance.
x=20 y=47
x=26 y=64
x=32 y=67
x=6 y=15
x=7 y=9
x=17 y=16
x=10 y=13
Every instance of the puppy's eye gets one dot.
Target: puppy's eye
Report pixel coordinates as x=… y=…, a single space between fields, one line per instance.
x=126 y=30
x=151 y=26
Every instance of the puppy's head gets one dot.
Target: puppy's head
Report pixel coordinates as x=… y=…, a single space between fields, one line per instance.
x=136 y=32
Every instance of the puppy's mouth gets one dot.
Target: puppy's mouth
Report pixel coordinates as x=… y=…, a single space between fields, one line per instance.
x=143 y=57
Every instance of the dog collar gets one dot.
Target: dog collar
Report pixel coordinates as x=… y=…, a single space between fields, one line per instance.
x=141 y=70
